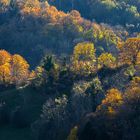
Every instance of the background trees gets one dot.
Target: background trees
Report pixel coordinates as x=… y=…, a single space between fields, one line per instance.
x=106 y=11
x=39 y=28
x=88 y=87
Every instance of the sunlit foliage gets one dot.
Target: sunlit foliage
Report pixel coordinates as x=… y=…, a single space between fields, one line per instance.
x=20 y=68
x=13 y=68
x=84 y=57
x=5 y=57
x=111 y=102
x=94 y=76
x=30 y=7
x=5 y=73
x=106 y=59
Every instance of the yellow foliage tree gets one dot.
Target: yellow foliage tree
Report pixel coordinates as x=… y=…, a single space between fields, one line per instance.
x=84 y=57
x=106 y=59
x=84 y=52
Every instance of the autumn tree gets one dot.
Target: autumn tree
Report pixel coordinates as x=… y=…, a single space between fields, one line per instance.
x=133 y=90
x=84 y=57
x=5 y=73
x=13 y=69
x=106 y=59
x=4 y=5
x=5 y=57
x=130 y=51
x=31 y=7
x=111 y=102
x=20 y=68
x=4 y=2
x=135 y=82
x=84 y=52
x=5 y=67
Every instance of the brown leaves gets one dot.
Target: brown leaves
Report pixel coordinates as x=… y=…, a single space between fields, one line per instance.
x=129 y=51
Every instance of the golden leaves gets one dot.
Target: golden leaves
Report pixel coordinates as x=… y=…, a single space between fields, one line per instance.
x=19 y=67
x=84 y=57
x=111 y=102
x=31 y=7
x=113 y=95
x=106 y=59
x=5 y=57
x=5 y=73
x=84 y=51
x=12 y=68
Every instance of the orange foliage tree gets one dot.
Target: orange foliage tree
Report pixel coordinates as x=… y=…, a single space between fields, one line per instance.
x=5 y=73
x=5 y=57
x=5 y=68
x=31 y=7
x=111 y=103
x=20 y=68
x=13 y=69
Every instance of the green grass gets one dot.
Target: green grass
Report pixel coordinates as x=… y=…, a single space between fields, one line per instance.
x=11 y=133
